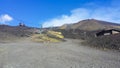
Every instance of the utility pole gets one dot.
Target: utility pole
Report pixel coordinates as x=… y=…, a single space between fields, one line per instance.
x=40 y=30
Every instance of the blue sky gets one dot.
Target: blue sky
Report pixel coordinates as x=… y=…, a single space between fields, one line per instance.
x=57 y=12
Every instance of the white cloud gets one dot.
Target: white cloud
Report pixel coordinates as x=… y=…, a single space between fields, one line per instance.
x=76 y=15
x=5 y=18
x=107 y=14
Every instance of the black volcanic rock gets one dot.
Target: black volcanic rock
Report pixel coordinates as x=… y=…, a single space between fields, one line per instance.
x=15 y=31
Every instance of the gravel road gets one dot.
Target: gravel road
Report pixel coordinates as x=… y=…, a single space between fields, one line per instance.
x=69 y=54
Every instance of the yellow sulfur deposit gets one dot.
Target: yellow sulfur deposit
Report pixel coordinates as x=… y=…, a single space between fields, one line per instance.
x=50 y=36
x=56 y=34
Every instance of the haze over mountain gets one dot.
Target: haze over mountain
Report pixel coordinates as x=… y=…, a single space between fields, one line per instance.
x=91 y=24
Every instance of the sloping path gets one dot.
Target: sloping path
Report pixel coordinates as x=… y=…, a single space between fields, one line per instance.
x=69 y=54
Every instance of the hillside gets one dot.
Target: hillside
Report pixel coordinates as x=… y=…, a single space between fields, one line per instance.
x=11 y=33
x=91 y=24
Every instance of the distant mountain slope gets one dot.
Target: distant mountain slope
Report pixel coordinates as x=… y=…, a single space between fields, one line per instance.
x=14 y=32
x=91 y=24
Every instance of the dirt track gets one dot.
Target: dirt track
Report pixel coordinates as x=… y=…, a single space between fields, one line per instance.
x=70 y=54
